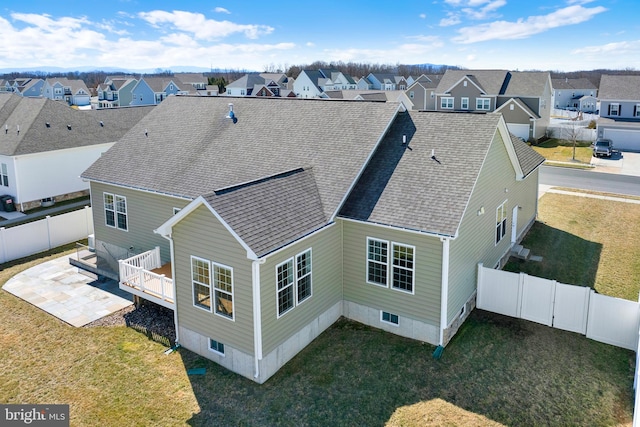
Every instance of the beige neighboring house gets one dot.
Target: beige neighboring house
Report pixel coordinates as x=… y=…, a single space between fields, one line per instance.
x=422 y=92
x=523 y=97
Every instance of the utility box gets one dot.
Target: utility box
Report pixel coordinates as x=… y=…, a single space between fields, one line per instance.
x=7 y=204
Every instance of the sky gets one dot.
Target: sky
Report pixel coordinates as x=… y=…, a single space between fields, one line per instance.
x=565 y=35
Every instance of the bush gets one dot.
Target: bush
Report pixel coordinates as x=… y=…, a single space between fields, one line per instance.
x=592 y=124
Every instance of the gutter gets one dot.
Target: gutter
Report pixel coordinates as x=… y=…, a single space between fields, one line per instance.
x=444 y=293
x=257 y=315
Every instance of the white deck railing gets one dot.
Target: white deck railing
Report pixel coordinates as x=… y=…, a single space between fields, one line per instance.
x=136 y=277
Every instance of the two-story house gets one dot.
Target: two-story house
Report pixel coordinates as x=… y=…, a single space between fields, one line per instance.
x=33 y=88
x=422 y=92
x=116 y=91
x=524 y=98
x=575 y=94
x=620 y=111
x=259 y=240
x=72 y=91
x=153 y=90
x=387 y=81
x=46 y=145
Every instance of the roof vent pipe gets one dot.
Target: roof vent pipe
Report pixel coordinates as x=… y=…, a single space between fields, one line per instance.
x=404 y=139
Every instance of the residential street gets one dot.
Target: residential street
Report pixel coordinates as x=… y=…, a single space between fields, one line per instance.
x=590 y=180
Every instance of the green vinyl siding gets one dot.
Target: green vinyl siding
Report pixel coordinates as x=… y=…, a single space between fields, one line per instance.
x=145 y=213
x=477 y=234
x=201 y=235
x=424 y=304
x=326 y=273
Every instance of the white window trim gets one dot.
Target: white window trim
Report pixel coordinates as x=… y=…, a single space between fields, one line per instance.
x=502 y=206
x=637 y=110
x=480 y=104
x=462 y=102
x=390 y=266
x=413 y=269
x=295 y=283
x=447 y=98
x=115 y=211
x=367 y=260
x=218 y=352
x=4 y=176
x=215 y=289
x=617 y=105
x=389 y=322
x=193 y=296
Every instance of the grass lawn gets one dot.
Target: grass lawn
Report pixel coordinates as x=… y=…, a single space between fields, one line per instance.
x=496 y=371
x=587 y=242
x=556 y=150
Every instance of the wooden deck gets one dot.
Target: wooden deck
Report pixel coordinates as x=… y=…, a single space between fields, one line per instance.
x=165 y=269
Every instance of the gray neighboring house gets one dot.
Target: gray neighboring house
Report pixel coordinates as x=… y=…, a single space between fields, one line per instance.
x=620 y=111
x=72 y=91
x=116 y=92
x=422 y=92
x=265 y=238
x=151 y=90
x=523 y=98
x=575 y=94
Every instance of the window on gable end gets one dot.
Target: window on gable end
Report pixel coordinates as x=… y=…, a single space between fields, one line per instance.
x=501 y=221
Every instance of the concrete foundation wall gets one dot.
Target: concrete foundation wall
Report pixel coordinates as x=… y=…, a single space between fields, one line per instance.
x=453 y=327
x=406 y=327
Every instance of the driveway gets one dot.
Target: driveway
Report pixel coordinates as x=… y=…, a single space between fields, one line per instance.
x=625 y=163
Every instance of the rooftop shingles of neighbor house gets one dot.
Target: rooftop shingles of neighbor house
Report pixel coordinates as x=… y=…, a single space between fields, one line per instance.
x=269 y=213
x=403 y=186
x=526 y=83
x=490 y=81
x=570 y=84
x=67 y=127
x=619 y=88
x=194 y=149
x=528 y=158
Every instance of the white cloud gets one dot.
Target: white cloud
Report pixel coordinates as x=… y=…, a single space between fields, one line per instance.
x=485 y=11
x=200 y=26
x=617 y=48
x=310 y=44
x=522 y=28
x=221 y=10
x=451 y=19
x=423 y=16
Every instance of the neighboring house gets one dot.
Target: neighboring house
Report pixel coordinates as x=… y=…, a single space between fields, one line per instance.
x=34 y=88
x=116 y=92
x=246 y=85
x=312 y=83
x=270 y=240
x=387 y=81
x=336 y=80
x=46 y=145
x=575 y=94
x=620 y=111
x=72 y=91
x=422 y=92
x=197 y=80
x=154 y=90
x=364 y=84
x=285 y=83
x=523 y=98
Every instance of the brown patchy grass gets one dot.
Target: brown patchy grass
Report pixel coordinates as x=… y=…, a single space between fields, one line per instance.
x=555 y=150
x=496 y=371
x=588 y=242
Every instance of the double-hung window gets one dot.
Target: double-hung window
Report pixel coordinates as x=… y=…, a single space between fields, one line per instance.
x=464 y=103
x=614 y=109
x=294 y=281
x=395 y=268
x=209 y=279
x=483 y=104
x=4 y=175
x=115 y=211
x=501 y=221
x=446 y=103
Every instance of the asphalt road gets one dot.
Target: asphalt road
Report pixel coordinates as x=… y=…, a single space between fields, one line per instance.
x=590 y=180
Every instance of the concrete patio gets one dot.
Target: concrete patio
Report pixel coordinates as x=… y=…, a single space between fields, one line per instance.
x=74 y=296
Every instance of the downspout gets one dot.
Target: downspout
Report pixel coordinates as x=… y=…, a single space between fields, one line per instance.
x=175 y=294
x=257 y=315
x=444 y=293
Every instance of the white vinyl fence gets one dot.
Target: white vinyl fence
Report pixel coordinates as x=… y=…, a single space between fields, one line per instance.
x=572 y=308
x=42 y=235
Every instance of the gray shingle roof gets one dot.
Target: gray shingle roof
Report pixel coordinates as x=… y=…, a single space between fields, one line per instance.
x=32 y=115
x=528 y=159
x=490 y=81
x=404 y=187
x=192 y=148
x=614 y=87
x=270 y=213
x=569 y=84
x=526 y=83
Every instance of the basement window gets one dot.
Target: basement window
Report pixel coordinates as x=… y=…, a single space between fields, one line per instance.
x=390 y=318
x=216 y=346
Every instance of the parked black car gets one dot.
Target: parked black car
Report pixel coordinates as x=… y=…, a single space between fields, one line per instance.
x=602 y=147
